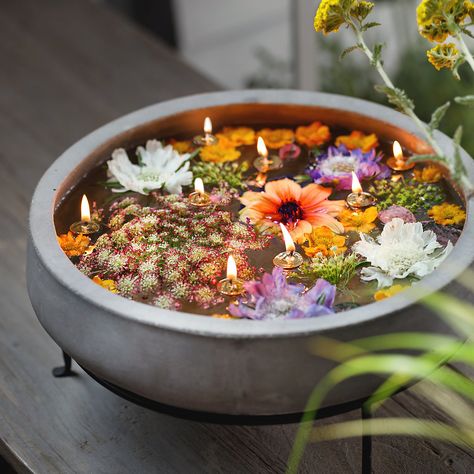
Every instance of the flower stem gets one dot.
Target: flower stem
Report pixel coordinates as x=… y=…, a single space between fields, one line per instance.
x=467 y=54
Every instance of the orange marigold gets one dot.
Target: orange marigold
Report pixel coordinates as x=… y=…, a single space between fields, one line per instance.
x=181 y=146
x=357 y=139
x=447 y=214
x=428 y=174
x=107 y=284
x=323 y=240
x=221 y=152
x=73 y=245
x=238 y=136
x=359 y=221
x=313 y=135
x=276 y=138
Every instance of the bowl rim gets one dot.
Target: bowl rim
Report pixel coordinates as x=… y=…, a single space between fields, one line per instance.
x=43 y=234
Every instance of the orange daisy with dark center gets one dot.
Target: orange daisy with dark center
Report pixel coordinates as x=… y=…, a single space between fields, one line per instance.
x=299 y=209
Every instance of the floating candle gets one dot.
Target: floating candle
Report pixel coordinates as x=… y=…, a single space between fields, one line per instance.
x=358 y=199
x=208 y=138
x=231 y=285
x=398 y=162
x=290 y=258
x=263 y=162
x=85 y=225
x=199 y=198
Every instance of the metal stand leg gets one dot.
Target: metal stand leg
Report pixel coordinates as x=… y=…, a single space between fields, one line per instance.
x=65 y=370
x=366 y=443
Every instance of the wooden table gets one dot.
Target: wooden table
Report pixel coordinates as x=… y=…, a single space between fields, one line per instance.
x=67 y=67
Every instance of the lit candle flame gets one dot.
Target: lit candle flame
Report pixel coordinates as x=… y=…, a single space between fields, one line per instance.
x=207 y=126
x=85 y=210
x=289 y=244
x=356 y=187
x=231 y=269
x=199 y=186
x=261 y=148
x=397 y=151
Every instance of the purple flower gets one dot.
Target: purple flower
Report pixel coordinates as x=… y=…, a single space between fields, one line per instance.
x=292 y=151
x=274 y=298
x=396 y=211
x=336 y=166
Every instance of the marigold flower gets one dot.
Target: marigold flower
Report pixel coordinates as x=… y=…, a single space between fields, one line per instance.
x=181 y=146
x=359 y=221
x=332 y=14
x=447 y=214
x=238 y=136
x=221 y=152
x=357 y=139
x=313 y=135
x=107 y=284
x=324 y=241
x=73 y=245
x=277 y=137
x=299 y=209
x=428 y=174
x=443 y=56
x=387 y=292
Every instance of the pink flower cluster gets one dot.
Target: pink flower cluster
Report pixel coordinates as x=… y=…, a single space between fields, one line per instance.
x=170 y=252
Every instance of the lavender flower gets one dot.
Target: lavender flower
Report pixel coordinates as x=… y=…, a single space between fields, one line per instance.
x=336 y=166
x=274 y=298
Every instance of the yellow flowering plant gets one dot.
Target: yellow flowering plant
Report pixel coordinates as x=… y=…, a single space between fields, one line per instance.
x=332 y=14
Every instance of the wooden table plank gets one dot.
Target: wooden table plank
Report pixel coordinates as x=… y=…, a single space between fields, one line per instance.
x=68 y=67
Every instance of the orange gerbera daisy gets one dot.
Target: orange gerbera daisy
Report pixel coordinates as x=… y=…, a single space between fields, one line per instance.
x=107 y=284
x=299 y=209
x=357 y=139
x=73 y=245
x=358 y=221
x=276 y=138
x=238 y=136
x=313 y=135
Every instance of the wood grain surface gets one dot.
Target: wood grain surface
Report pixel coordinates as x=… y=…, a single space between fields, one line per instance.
x=69 y=66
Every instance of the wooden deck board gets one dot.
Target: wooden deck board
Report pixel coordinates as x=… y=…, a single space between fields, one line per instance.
x=68 y=67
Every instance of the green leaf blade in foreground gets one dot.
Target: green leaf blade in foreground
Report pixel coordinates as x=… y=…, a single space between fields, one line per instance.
x=467 y=100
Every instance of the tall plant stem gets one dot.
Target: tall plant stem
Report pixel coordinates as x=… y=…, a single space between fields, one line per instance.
x=467 y=54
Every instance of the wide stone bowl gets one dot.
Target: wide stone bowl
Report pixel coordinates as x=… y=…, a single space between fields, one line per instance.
x=237 y=367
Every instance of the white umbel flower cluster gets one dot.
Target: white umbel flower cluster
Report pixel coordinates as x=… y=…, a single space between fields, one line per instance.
x=402 y=249
x=159 y=167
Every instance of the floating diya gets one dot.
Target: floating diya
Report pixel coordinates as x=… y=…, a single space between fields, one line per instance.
x=85 y=226
x=208 y=138
x=199 y=197
x=359 y=199
x=231 y=285
x=263 y=162
x=398 y=162
x=290 y=258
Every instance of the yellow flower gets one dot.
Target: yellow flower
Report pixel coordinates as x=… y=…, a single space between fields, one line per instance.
x=107 y=284
x=428 y=174
x=358 y=140
x=313 y=135
x=184 y=146
x=223 y=316
x=238 y=136
x=435 y=18
x=447 y=214
x=387 y=292
x=359 y=221
x=332 y=14
x=221 y=152
x=443 y=56
x=276 y=138
x=73 y=245
x=324 y=241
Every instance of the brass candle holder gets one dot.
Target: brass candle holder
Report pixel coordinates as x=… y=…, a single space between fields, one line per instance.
x=263 y=162
x=398 y=162
x=85 y=226
x=359 y=199
x=208 y=138
x=199 y=198
x=231 y=285
x=290 y=258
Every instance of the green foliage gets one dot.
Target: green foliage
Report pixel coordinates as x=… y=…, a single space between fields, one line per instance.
x=438 y=115
x=397 y=97
x=217 y=174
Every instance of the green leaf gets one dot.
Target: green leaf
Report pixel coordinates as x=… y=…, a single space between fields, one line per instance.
x=396 y=97
x=348 y=50
x=458 y=135
x=195 y=153
x=420 y=158
x=377 y=54
x=467 y=100
x=369 y=25
x=438 y=115
x=467 y=32
x=139 y=158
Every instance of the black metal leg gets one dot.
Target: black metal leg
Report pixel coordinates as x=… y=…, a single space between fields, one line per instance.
x=366 y=443
x=65 y=370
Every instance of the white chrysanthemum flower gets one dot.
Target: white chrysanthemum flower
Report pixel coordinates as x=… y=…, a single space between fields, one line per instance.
x=160 y=166
x=402 y=249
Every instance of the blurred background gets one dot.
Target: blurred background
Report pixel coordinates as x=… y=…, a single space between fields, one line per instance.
x=272 y=44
